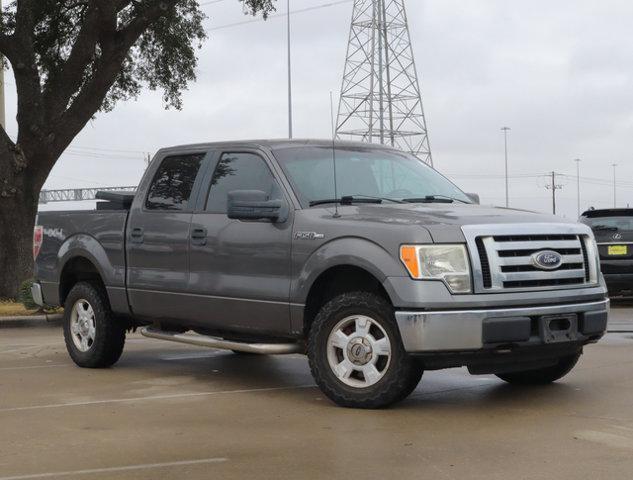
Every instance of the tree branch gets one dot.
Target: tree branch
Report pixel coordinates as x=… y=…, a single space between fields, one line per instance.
x=115 y=46
x=21 y=55
x=6 y=44
x=134 y=29
x=60 y=88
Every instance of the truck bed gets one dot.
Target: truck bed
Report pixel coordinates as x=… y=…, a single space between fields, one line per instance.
x=98 y=235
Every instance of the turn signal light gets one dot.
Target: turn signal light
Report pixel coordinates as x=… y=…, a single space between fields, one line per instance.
x=38 y=238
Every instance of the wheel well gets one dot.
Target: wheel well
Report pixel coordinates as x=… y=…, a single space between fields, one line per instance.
x=77 y=269
x=335 y=281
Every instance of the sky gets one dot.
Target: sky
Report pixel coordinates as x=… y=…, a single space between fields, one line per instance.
x=559 y=74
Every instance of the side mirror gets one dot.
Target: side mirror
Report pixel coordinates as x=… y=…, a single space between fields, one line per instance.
x=474 y=197
x=255 y=205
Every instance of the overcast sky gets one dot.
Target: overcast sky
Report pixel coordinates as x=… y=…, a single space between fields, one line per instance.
x=560 y=74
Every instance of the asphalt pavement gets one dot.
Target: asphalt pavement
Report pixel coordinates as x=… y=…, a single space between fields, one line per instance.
x=169 y=411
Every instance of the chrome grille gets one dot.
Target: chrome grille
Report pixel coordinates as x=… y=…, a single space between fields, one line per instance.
x=503 y=257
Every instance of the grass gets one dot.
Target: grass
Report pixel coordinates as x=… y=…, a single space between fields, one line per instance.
x=9 y=308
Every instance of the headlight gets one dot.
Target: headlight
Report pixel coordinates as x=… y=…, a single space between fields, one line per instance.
x=448 y=263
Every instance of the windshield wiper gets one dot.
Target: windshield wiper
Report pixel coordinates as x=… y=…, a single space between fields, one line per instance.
x=347 y=200
x=604 y=228
x=384 y=199
x=434 y=199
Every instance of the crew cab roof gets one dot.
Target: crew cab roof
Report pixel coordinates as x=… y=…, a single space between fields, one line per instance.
x=277 y=144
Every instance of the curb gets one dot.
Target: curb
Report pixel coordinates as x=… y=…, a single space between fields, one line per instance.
x=30 y=320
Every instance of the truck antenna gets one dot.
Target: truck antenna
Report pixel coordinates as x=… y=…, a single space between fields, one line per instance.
x=336 y=214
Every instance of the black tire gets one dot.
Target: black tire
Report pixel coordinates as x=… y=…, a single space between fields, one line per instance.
x=542 y=376
x=109 y=334
x=401 y=374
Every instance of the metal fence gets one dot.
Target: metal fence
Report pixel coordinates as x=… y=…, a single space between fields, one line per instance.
x=78 y=194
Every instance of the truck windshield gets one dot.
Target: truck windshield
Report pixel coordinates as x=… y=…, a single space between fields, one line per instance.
x=622 y=224
x=363 y=172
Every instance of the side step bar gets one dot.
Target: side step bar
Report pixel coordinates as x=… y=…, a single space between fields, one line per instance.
x=214 y=342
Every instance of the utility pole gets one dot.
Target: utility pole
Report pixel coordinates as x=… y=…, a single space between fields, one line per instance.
x=578 y=183
x=614 y=189
x=553 y=186
x=289 y=77
x=505 y=131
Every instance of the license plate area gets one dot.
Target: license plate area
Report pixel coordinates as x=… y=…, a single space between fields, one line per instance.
x=558 y=328
x=617 y=250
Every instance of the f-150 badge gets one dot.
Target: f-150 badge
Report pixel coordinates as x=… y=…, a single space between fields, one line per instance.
x=309 y=236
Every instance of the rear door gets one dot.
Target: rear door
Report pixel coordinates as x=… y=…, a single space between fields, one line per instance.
x=158 y=236
x=240 y=270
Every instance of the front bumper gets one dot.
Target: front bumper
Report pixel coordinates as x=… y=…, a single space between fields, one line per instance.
x=474 y=329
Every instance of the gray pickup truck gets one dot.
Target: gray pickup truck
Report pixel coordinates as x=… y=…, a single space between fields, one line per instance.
x=387 y=272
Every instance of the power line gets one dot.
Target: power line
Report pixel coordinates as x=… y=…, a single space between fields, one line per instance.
x=278 y=15
x=77 y=147
x=487 y=176
x=584 y=180
x=210 y=3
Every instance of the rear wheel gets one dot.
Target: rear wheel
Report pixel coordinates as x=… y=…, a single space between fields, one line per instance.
x=542 y=376
x=94 y=338
x=356 y=354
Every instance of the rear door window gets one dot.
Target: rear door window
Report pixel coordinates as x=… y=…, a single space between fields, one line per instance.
x=172 y=185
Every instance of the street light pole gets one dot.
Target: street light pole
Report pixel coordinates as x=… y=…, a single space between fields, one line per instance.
x=505 y=131
x=578 y=183
x=614 y=189
x=554 y=193
x=289 y=77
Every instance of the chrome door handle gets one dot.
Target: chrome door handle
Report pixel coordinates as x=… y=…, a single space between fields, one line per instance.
x=137 y=235
x=199 y=236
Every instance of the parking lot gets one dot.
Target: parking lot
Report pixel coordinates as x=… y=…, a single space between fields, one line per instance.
x=172 y=411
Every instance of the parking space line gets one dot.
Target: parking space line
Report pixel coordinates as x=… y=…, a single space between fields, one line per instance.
x=36 y=366
x=28 y=347
x=149 y=398
x=191 y=356
x=127 y=468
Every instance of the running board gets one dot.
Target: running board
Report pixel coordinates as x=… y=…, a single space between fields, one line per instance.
x=214 y=342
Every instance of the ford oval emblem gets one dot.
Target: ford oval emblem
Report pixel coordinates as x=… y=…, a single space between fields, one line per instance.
x=547 y=260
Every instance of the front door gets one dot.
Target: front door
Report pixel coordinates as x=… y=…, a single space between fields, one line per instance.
x=240 y=270
x=158 y=238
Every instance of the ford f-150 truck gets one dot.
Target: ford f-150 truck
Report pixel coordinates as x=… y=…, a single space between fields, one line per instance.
x=360 y=256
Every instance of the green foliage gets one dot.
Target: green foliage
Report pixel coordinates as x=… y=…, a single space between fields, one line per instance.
x=163 y=57
x=25 y=297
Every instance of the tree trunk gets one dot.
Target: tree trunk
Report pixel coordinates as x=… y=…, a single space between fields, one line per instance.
x=19 y=192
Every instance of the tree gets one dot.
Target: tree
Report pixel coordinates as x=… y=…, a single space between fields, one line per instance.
x=72 y=59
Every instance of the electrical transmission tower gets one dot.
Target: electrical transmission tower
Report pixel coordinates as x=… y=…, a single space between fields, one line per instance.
x=381 y=100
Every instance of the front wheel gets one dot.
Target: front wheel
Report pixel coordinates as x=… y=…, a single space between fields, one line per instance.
x=356 y=354
x=94 y=338
x=542 y=376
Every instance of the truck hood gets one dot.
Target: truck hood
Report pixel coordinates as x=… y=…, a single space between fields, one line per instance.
x=443 y=221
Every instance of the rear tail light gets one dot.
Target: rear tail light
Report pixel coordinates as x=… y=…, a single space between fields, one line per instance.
x=38 y=238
